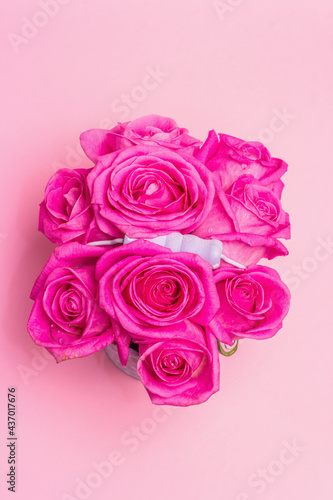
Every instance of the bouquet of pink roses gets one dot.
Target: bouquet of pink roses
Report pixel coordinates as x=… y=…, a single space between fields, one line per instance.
x=157 y=254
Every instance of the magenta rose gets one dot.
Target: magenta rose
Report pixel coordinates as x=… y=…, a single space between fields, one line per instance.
x=251 y=214
x=234 y=157
x=66 y=317
x=147 y=289
x=66 y=214
x=253 y=303
x=153 y=130
x=147 y=191
x=257 y=209
x=247 y=207
x=183 y=370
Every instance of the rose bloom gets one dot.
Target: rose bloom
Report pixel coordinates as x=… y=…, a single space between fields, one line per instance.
x=233 y=157
x=66 y=214
x=248 y=218
x=147 y=289
x=148 y=191
x=182 y=370
x=247 y=207
x=253 y=303
x=153 y=130
x=246 y=213
x=66 y=317
x=257 y=209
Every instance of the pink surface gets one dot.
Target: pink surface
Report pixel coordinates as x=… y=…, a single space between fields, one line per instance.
x=253 y=69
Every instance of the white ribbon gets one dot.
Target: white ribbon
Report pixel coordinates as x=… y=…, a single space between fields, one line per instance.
x=209 y=250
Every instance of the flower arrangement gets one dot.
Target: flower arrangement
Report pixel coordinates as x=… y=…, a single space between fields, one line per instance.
x=158 y=245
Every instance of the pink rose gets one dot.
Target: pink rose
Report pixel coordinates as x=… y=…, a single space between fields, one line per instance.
x=257 y=209
x=148 y=191
x=153 y=130
x=66 y=213
x=234 y=157
x=149 y=291
x=247 y=219
x=183 y=370
x=246 y=214
x=253 y=302
x=66 y=317
x=247 y=207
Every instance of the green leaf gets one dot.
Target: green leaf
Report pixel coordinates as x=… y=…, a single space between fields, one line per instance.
x=227 y=350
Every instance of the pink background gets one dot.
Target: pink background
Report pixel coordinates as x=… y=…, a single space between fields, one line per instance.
x=232 y=65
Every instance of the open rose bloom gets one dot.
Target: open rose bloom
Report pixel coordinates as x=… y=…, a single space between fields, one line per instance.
x=157 y=257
